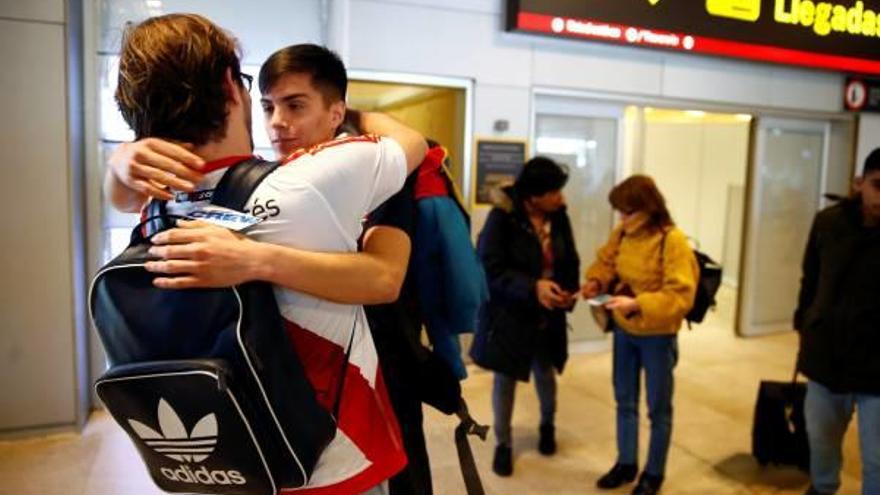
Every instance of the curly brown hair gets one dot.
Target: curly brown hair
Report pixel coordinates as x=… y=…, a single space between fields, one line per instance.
x=171 y=74
x=639 y=193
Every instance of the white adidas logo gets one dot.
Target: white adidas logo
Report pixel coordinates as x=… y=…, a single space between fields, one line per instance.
x=173 y=441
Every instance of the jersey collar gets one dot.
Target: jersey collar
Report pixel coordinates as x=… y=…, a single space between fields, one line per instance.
x=224 y=162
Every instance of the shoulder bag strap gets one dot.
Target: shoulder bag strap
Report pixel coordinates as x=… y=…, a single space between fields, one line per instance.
x=239 y=182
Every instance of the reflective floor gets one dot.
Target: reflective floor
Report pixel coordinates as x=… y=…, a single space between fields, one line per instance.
x=717 y=381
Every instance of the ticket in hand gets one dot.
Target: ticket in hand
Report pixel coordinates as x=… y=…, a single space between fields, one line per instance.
x=600 y=300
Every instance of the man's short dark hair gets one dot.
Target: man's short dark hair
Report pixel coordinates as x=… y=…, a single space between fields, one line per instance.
x=322 y=64
x=539 y=176
x=872 y=162
x=171 y=74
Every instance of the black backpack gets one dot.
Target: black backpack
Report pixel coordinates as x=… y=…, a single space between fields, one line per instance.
x=707 y=287
x=708 y=282
x=205 y=381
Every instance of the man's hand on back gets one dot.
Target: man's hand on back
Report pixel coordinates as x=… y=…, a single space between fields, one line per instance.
x=148 y=168
x=198 y=254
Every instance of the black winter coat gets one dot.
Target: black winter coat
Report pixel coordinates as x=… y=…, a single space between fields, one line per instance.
x=838 y=314
x=513 y=327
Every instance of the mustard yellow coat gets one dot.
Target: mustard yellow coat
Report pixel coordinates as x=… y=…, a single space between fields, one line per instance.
x=665 y=293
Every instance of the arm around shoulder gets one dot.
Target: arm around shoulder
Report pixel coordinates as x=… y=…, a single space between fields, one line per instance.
x=373 y=276
x=410 y=140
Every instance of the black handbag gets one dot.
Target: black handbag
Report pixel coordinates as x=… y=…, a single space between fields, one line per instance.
x=779 y=430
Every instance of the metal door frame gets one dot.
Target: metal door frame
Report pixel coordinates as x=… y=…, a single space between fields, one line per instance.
x=555 y=105
x=748 y=264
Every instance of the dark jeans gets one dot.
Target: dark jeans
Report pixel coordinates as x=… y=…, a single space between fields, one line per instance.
x=657 y=355
x=503 y=394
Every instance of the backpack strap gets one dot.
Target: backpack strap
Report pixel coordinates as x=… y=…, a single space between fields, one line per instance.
x=341 y=386
x=154 y=219
x=468 y=426
x=239 y=182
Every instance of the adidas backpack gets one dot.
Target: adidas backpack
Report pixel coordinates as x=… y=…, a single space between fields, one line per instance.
x=205 y=381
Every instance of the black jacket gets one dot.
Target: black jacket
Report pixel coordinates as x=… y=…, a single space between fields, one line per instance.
x=838 y=313
x=513 y=327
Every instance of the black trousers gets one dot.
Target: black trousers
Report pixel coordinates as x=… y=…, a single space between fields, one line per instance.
x=415 y=479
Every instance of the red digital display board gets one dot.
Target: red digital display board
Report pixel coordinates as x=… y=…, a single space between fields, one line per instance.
x=840 y=35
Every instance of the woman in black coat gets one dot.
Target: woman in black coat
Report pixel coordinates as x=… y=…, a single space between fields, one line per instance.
x=532 y=266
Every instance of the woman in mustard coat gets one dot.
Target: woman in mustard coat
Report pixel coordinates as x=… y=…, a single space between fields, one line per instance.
x=649 y=269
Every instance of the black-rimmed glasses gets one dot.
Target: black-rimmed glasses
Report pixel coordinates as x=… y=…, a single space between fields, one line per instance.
x=248 y=81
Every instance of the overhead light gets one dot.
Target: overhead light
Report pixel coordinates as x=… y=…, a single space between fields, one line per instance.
x=154 y=4
x=695 y=113
x=744 y=117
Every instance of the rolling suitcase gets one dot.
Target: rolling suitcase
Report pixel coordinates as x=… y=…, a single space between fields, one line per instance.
x=779 y=431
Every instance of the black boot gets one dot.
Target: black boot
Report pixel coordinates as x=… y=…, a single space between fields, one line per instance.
x=502 y=463
x=547 y=440
x=619 y=474
x=648 y=485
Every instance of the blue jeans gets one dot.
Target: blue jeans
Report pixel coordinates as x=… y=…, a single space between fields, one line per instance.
x=503 y=395
x=828 y=416
x=657 y=355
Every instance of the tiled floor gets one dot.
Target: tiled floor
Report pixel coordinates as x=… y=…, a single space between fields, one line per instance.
x=717 y=381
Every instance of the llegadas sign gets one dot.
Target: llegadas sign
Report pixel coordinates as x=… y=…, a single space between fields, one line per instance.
x=841 y=35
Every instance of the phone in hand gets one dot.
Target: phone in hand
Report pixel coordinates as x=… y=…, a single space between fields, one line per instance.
x=600 y=300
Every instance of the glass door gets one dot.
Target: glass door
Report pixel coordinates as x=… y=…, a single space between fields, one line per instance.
x=786 y=184
x=584 y=137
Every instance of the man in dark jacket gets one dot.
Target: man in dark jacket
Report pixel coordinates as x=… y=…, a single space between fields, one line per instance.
x=838 y=318
x=532 y=266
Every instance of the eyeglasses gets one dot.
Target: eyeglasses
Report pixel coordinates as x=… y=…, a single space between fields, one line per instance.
x=247 y=80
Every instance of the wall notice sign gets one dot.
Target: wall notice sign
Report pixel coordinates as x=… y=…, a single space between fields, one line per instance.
x=862 y=94
x=498 y=162
x=841 y=35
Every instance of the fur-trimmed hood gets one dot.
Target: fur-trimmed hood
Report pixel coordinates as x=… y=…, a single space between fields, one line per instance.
x=504 y=197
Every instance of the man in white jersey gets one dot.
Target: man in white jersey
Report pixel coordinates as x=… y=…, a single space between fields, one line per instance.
x=180 y=80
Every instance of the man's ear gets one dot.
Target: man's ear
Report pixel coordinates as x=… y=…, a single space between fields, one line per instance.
x=337 y=113
x=857 y=184
x=231 y=88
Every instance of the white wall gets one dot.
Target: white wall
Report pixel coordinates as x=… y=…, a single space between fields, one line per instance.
x=673 y=158
x=724 y=160
x=696 y=165
x=466 y=39
x=33 y=10
x=37 y=329
x=262 y=26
